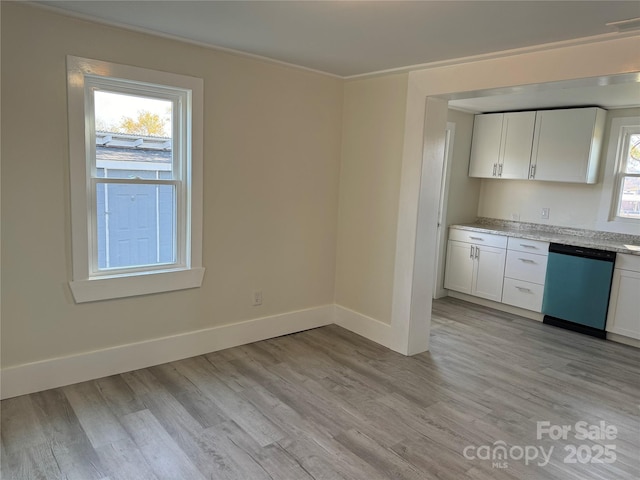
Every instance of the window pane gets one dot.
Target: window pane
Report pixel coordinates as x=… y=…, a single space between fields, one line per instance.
x=633 y=154
x=132 y=133
x=136 y=225
x=630 y=199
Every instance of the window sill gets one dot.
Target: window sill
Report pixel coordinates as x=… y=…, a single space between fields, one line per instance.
x=132 y=285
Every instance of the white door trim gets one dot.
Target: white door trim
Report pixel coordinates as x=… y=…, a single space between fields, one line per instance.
x=441 y=240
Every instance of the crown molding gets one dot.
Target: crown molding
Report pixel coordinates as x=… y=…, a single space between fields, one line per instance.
x=176 y=38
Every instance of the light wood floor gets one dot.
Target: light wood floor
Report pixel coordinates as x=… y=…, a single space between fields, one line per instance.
x=327 y=404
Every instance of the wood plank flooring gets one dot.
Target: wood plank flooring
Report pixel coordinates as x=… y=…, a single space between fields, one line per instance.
x=327 y=404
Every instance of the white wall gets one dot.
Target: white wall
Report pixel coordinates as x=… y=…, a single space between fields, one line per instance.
x=572 y=205
x=271 y=174
x=373 y=128
x=464 y=191
x=273 y=141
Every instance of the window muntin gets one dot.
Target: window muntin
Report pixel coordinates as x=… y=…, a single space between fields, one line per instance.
x=171 y=176
x=627 y=193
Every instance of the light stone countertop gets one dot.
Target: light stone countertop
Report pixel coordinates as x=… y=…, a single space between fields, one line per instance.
x=613 y=242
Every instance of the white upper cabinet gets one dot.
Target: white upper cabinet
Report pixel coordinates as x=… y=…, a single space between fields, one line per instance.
x=551 y=145
x=566 y=145
x=501 y=146
x=518 y=131
x=485 y=146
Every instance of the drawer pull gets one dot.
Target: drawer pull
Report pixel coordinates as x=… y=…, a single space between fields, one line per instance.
x=477 y=238
x=526 y=260
x=523 y=289
x=528 y=246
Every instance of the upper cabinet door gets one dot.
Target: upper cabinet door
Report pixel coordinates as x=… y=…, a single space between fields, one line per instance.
x=566 y=145
x=501 y=145
x=485 y=145
x=517 y=139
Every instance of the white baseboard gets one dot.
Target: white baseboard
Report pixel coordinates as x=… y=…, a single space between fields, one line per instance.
x=614 y=337
x=497 y=306
x=57 y=372
x=533 y=315
x=364 y=326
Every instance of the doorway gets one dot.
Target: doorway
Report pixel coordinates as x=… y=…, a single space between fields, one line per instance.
x=428 y=95
x=441 y=239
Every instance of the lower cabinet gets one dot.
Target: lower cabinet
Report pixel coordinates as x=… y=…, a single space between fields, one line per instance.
x=522 y=294
x=460 y=262
x=512 y=271
x=476 y=268
x=507 y=270
x=624 y=304
x=524 y=273
x=489 y=273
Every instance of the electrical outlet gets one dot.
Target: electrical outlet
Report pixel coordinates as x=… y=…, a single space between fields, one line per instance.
x=545 y=213
x=256 y=298
x=515 y=217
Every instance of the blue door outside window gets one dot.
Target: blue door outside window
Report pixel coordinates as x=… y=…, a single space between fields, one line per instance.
x=136 y=224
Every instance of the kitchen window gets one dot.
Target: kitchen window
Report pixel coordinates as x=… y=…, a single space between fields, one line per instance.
x=626 y=204
x=135 y=139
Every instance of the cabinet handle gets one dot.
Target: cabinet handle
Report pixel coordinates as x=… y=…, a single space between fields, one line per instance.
x=471 y=254
x=526 y=260
x=528 y=246
x=477 y=238
x=477 y=252
x=500 y=170
x=522 y=289
x=495 y=165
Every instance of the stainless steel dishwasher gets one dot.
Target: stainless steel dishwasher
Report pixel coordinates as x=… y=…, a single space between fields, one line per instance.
x=577 y=287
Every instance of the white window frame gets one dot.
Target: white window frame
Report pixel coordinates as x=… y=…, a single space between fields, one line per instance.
x=90 y=283
x=624 y=135
x=607 y=216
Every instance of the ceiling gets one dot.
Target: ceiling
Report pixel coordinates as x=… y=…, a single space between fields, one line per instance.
x=348 y=38
x=620 y=91
x=351 y=38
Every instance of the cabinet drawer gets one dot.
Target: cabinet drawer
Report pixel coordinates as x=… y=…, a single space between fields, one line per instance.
x=488 y=239
x=530 y=246
x=521 y=294
x=628 y=262
x=526 y=266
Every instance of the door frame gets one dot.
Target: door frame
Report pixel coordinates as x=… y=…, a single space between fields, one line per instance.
x=441 y=240
x=425 y=122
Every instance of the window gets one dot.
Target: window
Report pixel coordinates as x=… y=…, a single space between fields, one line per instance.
x=627 y=182
x=135 y=138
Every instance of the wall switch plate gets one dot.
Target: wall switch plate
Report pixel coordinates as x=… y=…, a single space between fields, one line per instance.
x=256 y=298
x=545 y=213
